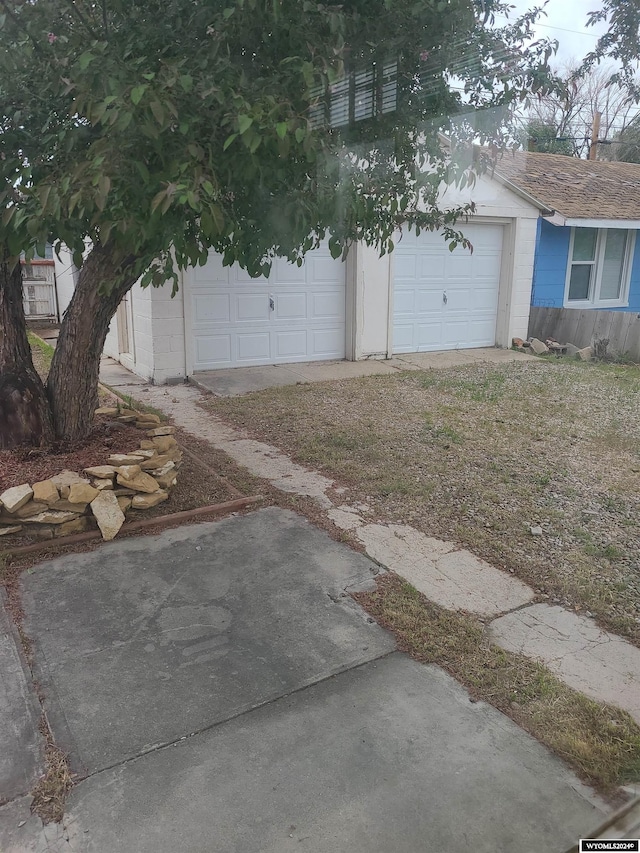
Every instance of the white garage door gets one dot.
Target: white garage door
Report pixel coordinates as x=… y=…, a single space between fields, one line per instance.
x=297 y=314
x=446 y=300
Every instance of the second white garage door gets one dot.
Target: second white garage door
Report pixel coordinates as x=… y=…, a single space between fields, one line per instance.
x=297 y=314
x=446 y=300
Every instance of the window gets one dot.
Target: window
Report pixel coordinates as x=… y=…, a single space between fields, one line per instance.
x=599 y=268
x=360 y=95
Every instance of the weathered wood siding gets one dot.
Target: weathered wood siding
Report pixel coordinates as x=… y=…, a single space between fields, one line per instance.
x=568 y=325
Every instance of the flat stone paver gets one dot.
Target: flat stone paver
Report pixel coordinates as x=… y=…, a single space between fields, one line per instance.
x=390 y=756
x=598 y=664
x=21 y=748
x=454 y=579
x=147 y=640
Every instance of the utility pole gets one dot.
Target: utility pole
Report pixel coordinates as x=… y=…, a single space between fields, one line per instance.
x=595 y=132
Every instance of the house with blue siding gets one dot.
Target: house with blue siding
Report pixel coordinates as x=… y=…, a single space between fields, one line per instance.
x=587 y=256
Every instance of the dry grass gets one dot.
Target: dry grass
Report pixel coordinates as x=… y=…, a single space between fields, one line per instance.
x=600 y=742
x=42 y=353
x=50 y=794
x=479 y=455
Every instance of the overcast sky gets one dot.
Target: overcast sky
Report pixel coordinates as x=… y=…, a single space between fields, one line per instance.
x=565 y=21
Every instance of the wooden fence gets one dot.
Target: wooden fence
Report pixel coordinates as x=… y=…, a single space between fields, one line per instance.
x=582 y=328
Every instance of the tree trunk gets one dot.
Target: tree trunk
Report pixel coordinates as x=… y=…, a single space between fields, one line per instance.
x=72 y=386
x=25 y=418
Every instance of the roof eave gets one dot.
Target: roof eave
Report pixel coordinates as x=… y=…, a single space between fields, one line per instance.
x=523 y=194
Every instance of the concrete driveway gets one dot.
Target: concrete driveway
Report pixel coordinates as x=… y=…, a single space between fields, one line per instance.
x=218 y=690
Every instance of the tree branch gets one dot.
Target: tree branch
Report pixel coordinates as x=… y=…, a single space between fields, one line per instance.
x=11 y=14
x=83 y=20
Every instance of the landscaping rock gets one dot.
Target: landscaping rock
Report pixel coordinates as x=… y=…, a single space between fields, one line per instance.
x=129 y=471
x=584 y=353
x=51 y=516
x=572 y=350
x=45 y=491
x=16 y=497
x=147 y=454
x=164 y=443
x=148 y=417
x=518 y=343
x=163 y=430
x=147 y=501
x=119 y=492
x=168 y=466
x=7 y=531
x=118 y=459
x=126 y=419
x=107 y=410
x=140 y=483
x=158 y=462
x=124 y=502
x=147 y=444
x=536 y=530
x=77 y=525
x=63 y=505
x=166 y=481
x=31 y=508
x=102 y=472
x=65 y=479
x=100 y=485
x=108 y=514
x=538 y=347
x=82 y=493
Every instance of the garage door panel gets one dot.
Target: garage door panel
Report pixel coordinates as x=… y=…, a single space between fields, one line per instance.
x=212 y=272
x=428 y=301
x=252 y=346
x=404 y=301
x=251 y=307
x=284 y=272
x=406 y=267
x=432 y=267
x=291 y=306
x=208 y=309
x=426 y=272
x=213 y=349
x=291 y=344
x=327 y=343
x=233 y=323
x=428 y=335
x=328 y=305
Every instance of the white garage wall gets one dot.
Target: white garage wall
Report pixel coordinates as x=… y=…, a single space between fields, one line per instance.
x=65 y=279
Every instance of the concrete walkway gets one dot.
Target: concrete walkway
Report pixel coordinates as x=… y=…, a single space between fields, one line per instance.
x=449 y=576
x=236 y=381
x=217 y=689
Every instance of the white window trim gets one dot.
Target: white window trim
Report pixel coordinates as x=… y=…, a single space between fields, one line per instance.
x=623 y=300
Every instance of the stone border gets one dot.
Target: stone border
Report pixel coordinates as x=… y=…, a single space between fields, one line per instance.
x=71 y=502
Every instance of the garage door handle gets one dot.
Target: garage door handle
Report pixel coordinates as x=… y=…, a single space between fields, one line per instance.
x=272 y=303
x=444 y=297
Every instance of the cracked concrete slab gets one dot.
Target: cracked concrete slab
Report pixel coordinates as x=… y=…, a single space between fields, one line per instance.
x=21 y=748
x=454 y=579
x=598 y=664
x=147 y=640
x=23 y=832
x=390 y=756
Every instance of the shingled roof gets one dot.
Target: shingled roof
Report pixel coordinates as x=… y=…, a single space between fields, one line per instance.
x=576 y=189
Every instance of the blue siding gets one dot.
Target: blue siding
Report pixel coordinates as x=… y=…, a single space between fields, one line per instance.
x=550 y=268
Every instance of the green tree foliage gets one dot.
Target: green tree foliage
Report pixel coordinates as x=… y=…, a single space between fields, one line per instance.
x=541 y=137
x=154 y=131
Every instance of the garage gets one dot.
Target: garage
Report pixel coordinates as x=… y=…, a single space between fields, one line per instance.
x=446 y=300
x=297 y=314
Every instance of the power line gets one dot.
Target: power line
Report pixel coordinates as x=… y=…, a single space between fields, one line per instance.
x=552 y=27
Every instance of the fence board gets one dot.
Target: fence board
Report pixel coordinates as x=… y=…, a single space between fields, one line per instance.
x=566 y=325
